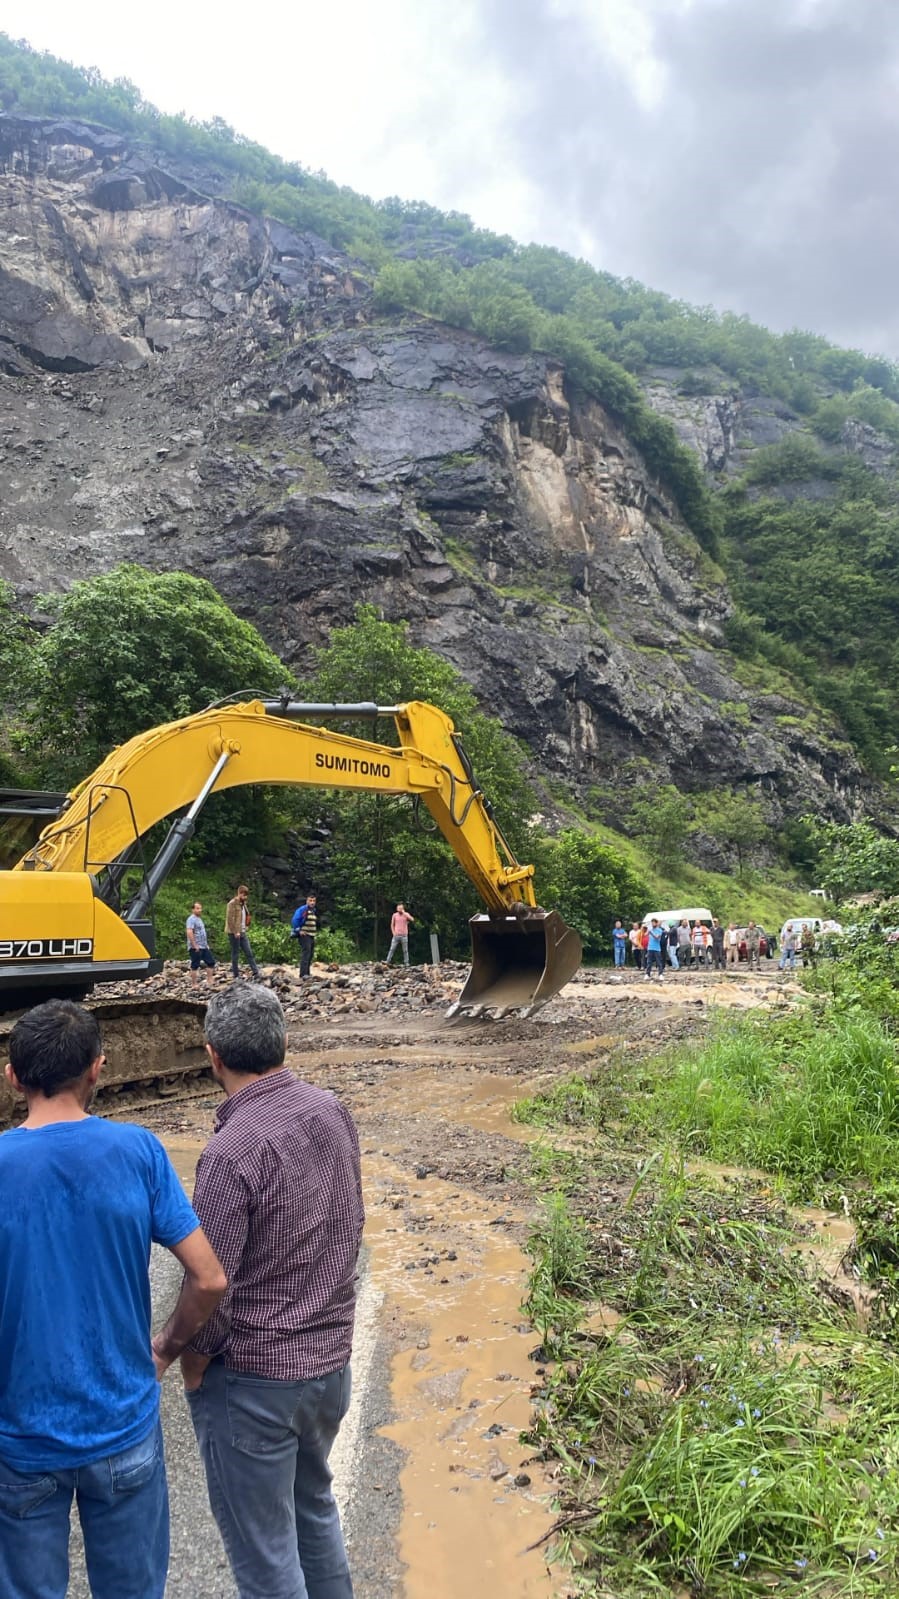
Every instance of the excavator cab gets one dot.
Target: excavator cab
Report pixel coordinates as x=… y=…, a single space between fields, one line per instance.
x=518 y=962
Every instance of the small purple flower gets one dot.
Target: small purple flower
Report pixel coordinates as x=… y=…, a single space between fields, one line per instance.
x=756 y=1413
x=754 y=1472
x=742 y=1483
x=879 y=1533
x=872 y=1554
x=801 y=1564
x=740 y=1560
x=740 y=1422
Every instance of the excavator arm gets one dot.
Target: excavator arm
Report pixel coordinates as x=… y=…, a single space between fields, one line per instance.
x=72 y=876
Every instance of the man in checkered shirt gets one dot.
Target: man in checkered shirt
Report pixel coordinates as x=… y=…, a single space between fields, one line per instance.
x=279 y=1195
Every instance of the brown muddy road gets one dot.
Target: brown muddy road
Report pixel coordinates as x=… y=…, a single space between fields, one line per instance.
x=439 y=1497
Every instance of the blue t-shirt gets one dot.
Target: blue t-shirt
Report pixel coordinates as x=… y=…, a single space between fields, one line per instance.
x=80 y=1204
x=656 y=935
x=619 y=934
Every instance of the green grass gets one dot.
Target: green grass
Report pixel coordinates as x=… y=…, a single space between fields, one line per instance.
x=810 y=1102
x=727 y=1473
x=735 y=1431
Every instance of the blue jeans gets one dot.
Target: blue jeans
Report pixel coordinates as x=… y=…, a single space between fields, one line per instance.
x=123 y=1507
x=654 y=962
x=265 y=1446
x=399 y=942
x=618 y=951
x=238 y=944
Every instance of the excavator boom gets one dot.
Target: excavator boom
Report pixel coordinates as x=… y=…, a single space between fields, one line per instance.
x=62 y=923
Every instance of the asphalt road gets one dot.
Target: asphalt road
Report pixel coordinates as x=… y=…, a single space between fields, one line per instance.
x=198 y=1568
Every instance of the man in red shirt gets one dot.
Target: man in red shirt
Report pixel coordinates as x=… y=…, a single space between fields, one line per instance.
x=268 y=1380
x=399 y=928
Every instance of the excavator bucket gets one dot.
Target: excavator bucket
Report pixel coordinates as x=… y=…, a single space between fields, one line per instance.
x=517 y=963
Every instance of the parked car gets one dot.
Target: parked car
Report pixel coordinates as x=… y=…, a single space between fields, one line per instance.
x=764 y=944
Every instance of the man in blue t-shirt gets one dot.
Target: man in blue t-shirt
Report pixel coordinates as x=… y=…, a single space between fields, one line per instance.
x=655 y=949
x=81 y=1202
x=619 y=943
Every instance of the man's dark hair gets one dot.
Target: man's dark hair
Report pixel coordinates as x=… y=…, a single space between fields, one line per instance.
x=246 y=1028
x=53 y=1045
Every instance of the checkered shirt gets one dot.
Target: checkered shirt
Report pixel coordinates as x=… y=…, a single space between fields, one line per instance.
x=279 y=1196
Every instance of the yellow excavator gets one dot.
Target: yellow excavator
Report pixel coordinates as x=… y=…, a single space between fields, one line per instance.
x=76 y=909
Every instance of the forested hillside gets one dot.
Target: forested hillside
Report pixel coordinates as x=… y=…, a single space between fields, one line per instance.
x=806 y=528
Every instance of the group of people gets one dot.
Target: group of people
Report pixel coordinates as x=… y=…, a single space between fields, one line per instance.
x=683 y=944
x=303 y=927
x=263 y=1324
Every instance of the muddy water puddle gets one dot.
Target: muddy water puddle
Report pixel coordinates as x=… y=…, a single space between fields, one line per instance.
x=474 y=1099
x=460 y=1387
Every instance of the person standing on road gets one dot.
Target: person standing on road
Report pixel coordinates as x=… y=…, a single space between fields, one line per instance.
x=788 y=949
x=198 y=946
x=268 y=1379
x=304 y=926
x=655 y=960
x=399 y=933
x=753 y=946
x=717 y=945
x=684 y=943
x=619 y=943
x=237 y=922
x=634 y=938
x=672 y=948
x=808 y=945
x=699 y=944
x=732 y=945
x=81 y=1201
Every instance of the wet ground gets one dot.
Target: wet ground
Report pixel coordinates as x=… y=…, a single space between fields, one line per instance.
x=440 y=1499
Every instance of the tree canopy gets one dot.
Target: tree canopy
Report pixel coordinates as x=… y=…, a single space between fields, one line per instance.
x=127 y=651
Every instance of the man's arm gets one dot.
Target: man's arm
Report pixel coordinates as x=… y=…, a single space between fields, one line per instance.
x=222 y=1203
x=191 y=936
x=203 y=1286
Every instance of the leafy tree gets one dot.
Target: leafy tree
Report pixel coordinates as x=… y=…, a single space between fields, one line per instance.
x=736 y=820
x=382 y=848
x=660 y=817
x=128 y=651
x=856 y=859
x=591 y=885
x=131 y=650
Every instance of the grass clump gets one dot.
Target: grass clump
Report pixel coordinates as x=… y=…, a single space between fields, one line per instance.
x=811 y=1102
x=725 y=1473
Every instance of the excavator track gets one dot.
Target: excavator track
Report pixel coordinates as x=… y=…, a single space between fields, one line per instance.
x=154 y=1050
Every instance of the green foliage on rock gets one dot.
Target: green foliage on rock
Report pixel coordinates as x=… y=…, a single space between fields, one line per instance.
x=818 y=587
x=660 y=817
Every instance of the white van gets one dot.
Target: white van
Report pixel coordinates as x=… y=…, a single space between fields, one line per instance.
x=690 y=913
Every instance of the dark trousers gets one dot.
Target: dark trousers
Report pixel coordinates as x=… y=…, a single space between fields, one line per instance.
x=265 y=1446
x=238 y=944
x=307 y=950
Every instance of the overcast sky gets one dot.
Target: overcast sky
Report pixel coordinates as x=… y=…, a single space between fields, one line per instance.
x=740 y=153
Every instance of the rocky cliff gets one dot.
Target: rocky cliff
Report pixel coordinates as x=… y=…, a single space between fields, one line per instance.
x=188 y=385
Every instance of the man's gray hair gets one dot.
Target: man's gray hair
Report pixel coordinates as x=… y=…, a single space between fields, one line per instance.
x=245 y=1026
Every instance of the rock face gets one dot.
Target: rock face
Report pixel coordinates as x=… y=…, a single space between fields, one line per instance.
x=190 y=386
